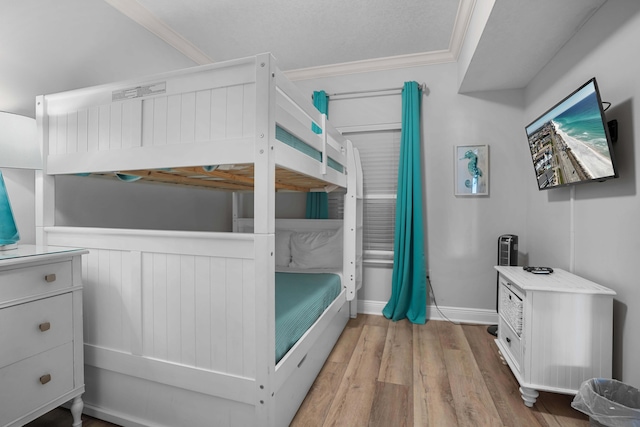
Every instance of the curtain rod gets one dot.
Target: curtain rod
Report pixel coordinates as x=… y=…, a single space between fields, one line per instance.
x=373 y=92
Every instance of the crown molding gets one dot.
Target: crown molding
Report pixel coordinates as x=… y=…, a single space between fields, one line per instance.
x=368 y=65
x=142 y=16
x=460 y=27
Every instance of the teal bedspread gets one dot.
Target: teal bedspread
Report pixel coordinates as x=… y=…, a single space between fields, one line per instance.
x=300 y=299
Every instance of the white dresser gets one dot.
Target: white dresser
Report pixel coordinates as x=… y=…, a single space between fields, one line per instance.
x=554 y=331
x=41 y=350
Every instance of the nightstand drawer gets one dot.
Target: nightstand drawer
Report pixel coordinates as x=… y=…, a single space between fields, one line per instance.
x=511 y=307
x=32 y=281
x=511 y=342
x=34 y=327
x=21 y=384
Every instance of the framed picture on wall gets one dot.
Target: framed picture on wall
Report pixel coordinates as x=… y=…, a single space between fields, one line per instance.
x=471 y=170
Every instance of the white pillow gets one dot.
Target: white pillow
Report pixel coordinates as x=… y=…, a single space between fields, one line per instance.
x=317 y=249
x=283 y=248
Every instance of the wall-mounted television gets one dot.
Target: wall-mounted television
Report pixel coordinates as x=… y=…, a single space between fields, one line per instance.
x=570 y=143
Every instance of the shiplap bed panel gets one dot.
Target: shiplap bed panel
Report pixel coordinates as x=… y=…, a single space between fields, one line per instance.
x=179 y=325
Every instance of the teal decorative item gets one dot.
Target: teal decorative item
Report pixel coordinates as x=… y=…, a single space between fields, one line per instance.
x=409 y=278
x=9 y=235
x=472 y=170
x=19 y=149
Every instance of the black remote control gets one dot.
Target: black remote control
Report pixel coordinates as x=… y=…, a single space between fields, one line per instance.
x=538 y=270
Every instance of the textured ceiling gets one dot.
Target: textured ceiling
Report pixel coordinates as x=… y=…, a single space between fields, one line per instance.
x=52 y=46
x=304 y=33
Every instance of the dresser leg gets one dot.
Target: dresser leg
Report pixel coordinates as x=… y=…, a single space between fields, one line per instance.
x=76 y=411
x=529 y=396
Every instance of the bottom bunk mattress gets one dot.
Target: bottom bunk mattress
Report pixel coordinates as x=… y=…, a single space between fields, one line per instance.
x=300 y=300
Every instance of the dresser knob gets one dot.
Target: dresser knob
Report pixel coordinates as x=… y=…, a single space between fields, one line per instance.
x=508 y=340
x=50 y=278
x=45 y=379
x=44 y=326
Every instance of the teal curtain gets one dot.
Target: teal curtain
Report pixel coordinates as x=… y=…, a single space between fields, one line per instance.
x=321 y=102
x=318 y=203
x=8 y=229
x=409 y=280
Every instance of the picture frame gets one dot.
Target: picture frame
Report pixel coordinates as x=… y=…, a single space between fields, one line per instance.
x=471 y=170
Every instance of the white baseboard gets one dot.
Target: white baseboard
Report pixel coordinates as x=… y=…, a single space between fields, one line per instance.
x=455 y=314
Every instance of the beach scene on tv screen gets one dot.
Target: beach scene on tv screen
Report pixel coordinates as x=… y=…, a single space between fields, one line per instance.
x=569 y=143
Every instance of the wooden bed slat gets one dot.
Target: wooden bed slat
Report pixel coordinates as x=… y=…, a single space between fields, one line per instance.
x=173 y=178
x=233 y=178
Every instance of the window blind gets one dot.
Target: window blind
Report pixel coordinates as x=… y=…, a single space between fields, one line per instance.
x=379 y=153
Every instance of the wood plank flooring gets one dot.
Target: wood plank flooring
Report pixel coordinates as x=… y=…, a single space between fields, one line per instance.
x=384 y=373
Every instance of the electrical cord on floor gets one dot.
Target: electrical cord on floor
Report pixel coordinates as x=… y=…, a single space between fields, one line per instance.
x=433 y=294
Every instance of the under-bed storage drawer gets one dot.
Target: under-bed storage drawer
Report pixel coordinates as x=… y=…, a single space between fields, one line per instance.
x=34 y=280
x=35 y=381
x=293 y=391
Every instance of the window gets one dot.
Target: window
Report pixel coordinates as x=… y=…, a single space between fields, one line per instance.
x=379 y=153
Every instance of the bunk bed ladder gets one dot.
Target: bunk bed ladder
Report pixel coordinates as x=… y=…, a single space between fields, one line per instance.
x=325 y=156
x=352 y=226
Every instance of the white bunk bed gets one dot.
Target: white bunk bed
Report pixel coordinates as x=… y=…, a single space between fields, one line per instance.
x=180 y=325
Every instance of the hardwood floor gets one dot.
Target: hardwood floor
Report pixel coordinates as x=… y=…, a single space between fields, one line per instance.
x=384 y=373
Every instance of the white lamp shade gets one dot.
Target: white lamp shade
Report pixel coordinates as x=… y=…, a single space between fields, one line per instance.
x=19 y=146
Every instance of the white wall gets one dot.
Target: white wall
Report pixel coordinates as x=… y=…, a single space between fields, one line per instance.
x=461 y=233
x=84 y=43
x=104 y=202
x=604 y=216
x=480 y=16
x=121 y=51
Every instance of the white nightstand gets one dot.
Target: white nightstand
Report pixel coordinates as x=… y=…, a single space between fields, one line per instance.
x=554 y=331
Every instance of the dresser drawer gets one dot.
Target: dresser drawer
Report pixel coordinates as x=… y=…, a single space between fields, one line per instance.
x=35 y=327
x=21 y=390
x=34 y=280
x=511 y=342
x=511 y=307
